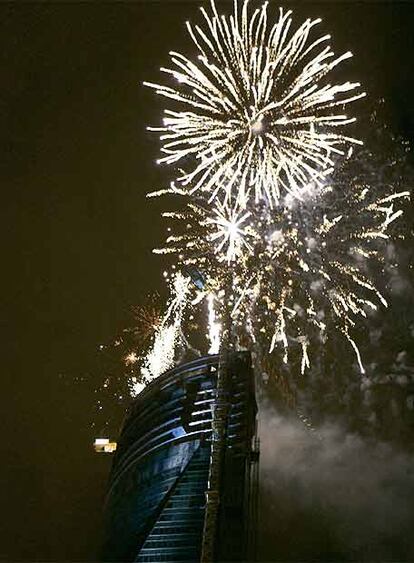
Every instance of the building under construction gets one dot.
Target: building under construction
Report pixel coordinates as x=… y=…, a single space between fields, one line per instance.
x=170 y=497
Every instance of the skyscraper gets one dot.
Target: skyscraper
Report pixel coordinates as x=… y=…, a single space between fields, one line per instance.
x=159 y=486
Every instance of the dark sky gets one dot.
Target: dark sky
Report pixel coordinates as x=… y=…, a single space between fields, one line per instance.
x=76 y=164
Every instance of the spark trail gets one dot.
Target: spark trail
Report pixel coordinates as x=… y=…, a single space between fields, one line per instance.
x=168 y=334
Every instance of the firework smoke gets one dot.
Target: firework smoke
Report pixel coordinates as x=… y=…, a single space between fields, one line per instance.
x=347 y=498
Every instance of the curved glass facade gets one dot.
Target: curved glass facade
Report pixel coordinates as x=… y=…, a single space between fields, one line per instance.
x=156 y=495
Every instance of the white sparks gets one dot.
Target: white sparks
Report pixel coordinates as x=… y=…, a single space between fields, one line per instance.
x=161 y=356
x=162 y=353
x=305 y=363
x=356 y=350
x=258 y=115
x=214 y=328
x=131 y=359
x=229 y=236
x=136 y=387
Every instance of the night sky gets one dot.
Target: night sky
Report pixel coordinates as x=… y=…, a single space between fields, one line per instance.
x=76 y=164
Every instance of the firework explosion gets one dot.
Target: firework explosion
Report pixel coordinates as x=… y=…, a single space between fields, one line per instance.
x=300 y=270
x=284 y=229
x=147 y=319
x=167 y=335
x=258 y=115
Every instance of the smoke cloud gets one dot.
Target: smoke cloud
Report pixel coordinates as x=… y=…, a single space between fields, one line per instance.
x=332 y=495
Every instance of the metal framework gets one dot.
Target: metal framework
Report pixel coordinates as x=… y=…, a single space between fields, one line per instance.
x=163 y=480
x=220 y=410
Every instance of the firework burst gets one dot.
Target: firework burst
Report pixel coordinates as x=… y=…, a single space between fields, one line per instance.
x=258 y=116
x=300 y=270
x=147 y=319
x=168 y=333
x=284 y=230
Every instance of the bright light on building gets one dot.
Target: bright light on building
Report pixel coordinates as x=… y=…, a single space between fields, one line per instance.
x=103 y=445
